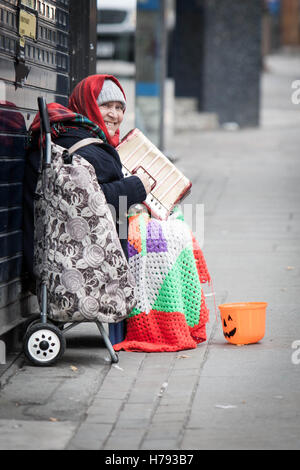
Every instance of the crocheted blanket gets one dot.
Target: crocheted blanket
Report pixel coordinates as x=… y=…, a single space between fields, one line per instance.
x=169 y=268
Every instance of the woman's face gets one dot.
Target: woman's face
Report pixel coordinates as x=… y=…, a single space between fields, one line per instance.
x=112 y=113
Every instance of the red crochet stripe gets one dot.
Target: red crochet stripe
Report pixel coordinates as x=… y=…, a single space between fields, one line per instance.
x=161 y=331
x=152 y=333
x=198 y=332
x=204 y=275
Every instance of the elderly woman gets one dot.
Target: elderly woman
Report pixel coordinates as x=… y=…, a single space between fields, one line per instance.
x=96 y=109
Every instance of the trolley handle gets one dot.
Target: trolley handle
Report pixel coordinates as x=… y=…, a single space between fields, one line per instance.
x=44 y=114
x=45 y=127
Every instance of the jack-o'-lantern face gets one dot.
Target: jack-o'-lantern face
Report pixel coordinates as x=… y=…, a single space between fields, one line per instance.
x=229 y=327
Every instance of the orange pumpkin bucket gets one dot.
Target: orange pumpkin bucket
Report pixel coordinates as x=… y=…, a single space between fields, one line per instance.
x=243 y=323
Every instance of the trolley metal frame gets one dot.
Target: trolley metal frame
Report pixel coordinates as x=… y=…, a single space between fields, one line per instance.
x=44 y=342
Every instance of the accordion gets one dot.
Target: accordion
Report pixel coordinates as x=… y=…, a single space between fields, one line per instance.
x=168 y=185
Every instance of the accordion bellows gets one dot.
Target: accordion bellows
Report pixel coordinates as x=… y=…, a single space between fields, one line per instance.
x=170 y=186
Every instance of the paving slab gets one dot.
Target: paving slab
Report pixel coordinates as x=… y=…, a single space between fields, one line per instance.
x=32 y=435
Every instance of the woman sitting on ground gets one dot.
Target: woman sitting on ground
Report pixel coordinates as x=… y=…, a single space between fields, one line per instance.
x=164 y=257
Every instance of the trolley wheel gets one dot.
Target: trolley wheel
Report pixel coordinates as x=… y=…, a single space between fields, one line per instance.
x=58 y=324
x=44 y=344
x=32 y=324
x=29 y=322
x=36 y=320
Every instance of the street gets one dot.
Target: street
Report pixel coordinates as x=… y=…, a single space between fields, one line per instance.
x=218 y=396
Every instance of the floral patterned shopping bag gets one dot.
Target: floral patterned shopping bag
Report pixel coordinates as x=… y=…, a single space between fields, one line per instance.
x=77 y=251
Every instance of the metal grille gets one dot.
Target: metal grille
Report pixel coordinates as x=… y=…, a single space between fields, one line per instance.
x=47 y=64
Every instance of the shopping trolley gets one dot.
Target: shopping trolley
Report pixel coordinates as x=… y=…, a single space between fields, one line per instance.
x=44 y=341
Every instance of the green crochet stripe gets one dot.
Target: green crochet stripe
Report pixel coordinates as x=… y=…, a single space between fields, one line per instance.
x=181 y=290
x=134 y=312
x=177 y=213
x=143 y=229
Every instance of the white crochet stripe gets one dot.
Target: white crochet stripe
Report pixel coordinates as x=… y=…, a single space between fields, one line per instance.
x=178 y=235
x=151 y=270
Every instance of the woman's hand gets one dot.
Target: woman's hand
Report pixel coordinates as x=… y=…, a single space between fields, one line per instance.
x=146 y=182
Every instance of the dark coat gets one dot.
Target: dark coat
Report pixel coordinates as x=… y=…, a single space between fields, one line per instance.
x=106 y=161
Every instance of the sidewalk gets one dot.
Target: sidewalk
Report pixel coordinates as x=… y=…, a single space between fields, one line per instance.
x=218 y=396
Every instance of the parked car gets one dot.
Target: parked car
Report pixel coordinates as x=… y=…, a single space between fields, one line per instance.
x=116 y=25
